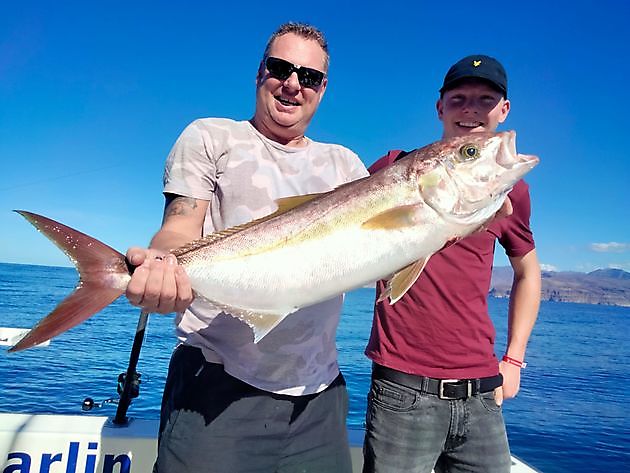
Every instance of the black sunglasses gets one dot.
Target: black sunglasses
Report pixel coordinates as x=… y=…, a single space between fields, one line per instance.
x=281 y=69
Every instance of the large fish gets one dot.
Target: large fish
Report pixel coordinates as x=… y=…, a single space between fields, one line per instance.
x=314 y=247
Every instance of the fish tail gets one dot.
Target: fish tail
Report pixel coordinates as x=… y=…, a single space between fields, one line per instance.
x=103 y=276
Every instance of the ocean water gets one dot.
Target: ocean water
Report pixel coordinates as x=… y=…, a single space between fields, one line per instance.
x=571 y=413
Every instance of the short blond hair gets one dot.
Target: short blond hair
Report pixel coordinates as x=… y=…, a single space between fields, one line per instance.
x=303 y=30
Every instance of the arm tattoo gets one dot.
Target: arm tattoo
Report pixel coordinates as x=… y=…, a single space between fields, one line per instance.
x=178 y=205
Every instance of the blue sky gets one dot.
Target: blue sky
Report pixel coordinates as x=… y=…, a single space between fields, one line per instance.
x=93 y=97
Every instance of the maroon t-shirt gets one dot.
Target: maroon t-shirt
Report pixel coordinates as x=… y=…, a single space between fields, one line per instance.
x=441 y=327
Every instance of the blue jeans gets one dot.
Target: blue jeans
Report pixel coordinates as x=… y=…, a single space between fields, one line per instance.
x=411 y=431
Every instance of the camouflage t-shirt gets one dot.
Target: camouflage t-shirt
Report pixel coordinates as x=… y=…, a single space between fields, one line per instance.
x=241 y=173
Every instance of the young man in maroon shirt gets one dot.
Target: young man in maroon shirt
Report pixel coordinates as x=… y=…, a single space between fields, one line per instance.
x=437 y=386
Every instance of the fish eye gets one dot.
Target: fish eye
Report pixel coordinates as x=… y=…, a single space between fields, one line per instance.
x=469 y=152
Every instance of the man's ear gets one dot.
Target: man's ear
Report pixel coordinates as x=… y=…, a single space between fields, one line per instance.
x=261 y=73
x=438 y=107
x=505 y=110
x=322 y=88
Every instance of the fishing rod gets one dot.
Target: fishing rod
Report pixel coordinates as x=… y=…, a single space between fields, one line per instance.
x=129 y=381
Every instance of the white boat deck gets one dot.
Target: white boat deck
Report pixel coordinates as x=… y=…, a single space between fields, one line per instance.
x=31 y=443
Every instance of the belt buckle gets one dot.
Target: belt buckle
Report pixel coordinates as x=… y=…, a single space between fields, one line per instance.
x=449 y=398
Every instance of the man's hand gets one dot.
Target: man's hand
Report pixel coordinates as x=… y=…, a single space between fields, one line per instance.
x=505 y=210
x=158 y=283
x=511 y=382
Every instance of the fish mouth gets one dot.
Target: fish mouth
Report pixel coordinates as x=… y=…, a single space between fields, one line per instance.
x=287 y=102
x=509 y=158
x=516 y=164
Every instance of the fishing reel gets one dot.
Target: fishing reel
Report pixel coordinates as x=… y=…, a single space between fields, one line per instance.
x=134 y=390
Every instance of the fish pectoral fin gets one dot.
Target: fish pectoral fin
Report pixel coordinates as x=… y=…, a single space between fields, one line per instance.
x=398 y=285
x=385 y=294
x=392 y=219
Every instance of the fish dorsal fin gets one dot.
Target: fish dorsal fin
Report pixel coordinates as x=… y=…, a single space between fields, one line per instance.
x=212 y=237
x=284 y=205
x=398 y=217
x=400 y=283
x=287 y=203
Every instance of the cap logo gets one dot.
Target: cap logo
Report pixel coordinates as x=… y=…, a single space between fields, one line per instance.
x=476 y=63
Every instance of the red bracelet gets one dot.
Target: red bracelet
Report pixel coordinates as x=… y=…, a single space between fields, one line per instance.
x=514 y=361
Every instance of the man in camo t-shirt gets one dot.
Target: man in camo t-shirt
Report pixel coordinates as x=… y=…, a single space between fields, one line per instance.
x=231 y=405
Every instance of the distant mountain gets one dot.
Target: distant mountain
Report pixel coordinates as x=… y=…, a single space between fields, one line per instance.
x=610 y=273
x=602 y=286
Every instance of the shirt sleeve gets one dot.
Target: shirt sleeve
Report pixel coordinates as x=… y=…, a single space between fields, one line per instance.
x=357 y=168
x=190 y=169
x=515 y=234
x=384 y=161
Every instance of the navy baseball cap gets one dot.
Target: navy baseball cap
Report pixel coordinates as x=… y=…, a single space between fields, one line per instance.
x=476 y=67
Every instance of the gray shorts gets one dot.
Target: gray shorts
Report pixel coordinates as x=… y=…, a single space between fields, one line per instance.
x=212 y=422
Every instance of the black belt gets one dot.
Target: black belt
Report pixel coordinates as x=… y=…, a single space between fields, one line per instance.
x=443 y=388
